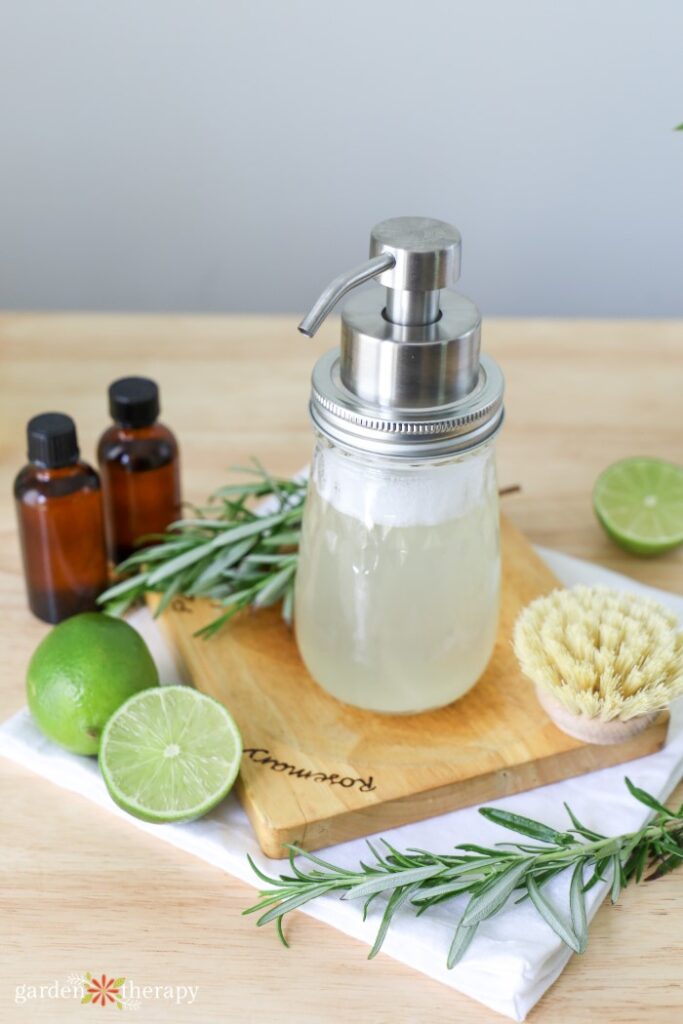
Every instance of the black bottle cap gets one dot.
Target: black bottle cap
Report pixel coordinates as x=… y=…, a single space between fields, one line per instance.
x=52 y=440
x=134 y=401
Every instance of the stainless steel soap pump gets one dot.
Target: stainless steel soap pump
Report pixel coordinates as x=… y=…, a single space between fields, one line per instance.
x=409 y=376
x=397 y=588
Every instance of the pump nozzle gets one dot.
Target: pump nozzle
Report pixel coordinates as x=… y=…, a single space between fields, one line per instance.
x=339 y=287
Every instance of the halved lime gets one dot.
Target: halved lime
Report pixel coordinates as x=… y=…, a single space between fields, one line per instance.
x=170 y=754
x=640 y=504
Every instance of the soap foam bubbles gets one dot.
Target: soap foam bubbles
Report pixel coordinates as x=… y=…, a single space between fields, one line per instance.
x=381 y=491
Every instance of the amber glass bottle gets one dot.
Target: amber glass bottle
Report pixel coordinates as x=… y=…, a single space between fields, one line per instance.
x=59 y=509
x=138 y=459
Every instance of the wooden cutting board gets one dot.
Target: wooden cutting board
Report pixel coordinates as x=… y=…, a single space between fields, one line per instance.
x=317 y=772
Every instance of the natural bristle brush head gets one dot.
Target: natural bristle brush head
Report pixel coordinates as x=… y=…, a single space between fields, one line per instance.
x=604 y=663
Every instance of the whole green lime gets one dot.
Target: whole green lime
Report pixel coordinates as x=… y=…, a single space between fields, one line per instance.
x=83 y=670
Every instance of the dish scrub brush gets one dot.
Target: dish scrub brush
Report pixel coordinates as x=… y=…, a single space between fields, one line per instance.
x=605 y=663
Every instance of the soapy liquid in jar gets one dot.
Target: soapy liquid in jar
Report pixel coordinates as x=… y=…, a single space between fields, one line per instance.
x=392 y=615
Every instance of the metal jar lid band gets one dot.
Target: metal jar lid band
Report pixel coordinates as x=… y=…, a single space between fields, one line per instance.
x=406 y=433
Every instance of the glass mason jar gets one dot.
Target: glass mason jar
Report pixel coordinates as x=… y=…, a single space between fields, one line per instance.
x=397 y=588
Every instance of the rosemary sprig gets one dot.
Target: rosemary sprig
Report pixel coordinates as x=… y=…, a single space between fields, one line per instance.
x=490 y=875
x=226 y=552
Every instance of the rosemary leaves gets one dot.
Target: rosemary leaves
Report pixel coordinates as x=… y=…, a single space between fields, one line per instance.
x=489 y=875
x=228 y=552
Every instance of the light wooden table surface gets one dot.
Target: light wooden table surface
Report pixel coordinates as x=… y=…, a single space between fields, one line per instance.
x=81 y=890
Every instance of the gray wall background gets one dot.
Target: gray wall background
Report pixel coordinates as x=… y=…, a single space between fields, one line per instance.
x=219 y=155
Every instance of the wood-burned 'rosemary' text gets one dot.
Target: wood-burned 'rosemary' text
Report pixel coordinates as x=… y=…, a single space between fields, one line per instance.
x=262 y=756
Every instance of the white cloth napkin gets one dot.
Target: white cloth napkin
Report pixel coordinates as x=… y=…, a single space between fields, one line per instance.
x=515 y=957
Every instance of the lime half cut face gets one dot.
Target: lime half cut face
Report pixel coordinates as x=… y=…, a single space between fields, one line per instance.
x=170 y=754
x=640 y=504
